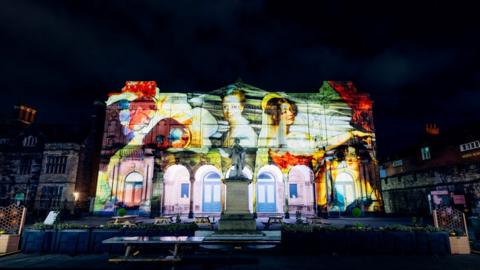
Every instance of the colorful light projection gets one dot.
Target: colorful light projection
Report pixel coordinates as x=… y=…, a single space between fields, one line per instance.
x=327 y=136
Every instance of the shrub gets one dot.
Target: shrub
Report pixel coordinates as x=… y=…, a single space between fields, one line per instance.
x=356 y=212
x=297 y=228
x=121 y=212
x=68 y=226
x=41 y=226
x=111 y=226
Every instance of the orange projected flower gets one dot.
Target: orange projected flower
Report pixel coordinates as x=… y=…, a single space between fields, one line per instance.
x=145 y=89
x=141 y=114
x=286 y=160
x=361 y=104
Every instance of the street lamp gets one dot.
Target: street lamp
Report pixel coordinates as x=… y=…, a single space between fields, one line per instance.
x=76 y=196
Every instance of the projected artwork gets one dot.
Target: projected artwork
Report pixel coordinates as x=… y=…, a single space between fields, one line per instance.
x=162 y=152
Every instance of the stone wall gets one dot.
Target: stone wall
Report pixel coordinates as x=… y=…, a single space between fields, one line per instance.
x=65 y=180
x=407 y=193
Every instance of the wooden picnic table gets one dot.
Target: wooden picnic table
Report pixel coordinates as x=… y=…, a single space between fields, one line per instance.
x=163 y=220
x=126 y=220
x=204 y=220
x=316 y=220
x=131 y=242
x=273 y=220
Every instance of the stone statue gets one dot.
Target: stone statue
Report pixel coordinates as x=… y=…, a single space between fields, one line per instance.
x=237 y=155
x=238 y=158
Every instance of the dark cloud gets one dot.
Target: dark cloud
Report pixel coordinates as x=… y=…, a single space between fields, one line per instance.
x=418 y=61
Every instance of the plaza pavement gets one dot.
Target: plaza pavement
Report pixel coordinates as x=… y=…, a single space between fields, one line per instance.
x=262 y=261
x=250 y=259
x=371 y=221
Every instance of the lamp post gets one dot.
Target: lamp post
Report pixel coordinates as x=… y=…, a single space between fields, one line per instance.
x=76 y=197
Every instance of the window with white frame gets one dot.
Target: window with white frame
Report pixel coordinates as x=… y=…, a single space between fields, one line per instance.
x=29 y=141
x=293 y=191
x=425 y=153
x=56 y=165
x=25 y=166
x=469 y=146
x=184 y=190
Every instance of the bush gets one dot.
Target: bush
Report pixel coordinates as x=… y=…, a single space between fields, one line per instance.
x=356 y=212
x=121 y=212
x=41 y=226
x=297 y=228
x=68 y=226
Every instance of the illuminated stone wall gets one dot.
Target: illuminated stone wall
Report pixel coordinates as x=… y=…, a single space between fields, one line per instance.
x=304 y=151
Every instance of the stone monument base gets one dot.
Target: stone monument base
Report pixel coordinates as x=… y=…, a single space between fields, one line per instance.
x=236 y=217
x=237 y=222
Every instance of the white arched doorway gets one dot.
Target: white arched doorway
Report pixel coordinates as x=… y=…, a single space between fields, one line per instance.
x=208 y=190
x=345 y=190
x=176 y=190
x=300 y=189
x=133 y=189
x=211 y=197
x=269 y=190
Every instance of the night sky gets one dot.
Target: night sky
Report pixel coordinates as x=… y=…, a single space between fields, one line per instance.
x=419 y=62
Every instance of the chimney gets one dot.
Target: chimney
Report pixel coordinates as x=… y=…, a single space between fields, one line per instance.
x=432 y=129
x=24 y=114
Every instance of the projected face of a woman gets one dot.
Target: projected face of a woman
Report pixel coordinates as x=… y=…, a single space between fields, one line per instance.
x=232 y=107
x=287 y=113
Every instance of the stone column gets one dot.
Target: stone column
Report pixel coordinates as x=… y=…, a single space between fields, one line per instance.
x=190 y=210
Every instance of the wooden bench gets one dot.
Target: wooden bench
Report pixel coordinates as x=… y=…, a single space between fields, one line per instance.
x=273 y=220
x=163 y=220
x=132 y=242
x=128 y=220
x=316 y=220
x=204 y=220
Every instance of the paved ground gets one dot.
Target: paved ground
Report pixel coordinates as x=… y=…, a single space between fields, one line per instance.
x=248 y=261
x=375 y=222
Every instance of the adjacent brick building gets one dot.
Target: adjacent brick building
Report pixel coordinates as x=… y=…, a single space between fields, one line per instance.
x=441 y=162
x=47 y=166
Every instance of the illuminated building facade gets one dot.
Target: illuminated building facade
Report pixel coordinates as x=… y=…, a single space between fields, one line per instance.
x=167 y=153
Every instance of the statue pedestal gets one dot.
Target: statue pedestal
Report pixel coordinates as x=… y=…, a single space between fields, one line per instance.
x=236 y=216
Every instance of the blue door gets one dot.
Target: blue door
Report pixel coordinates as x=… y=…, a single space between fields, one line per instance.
x=212 y=202
x=266 y=201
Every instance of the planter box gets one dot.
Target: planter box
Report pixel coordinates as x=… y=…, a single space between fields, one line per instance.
x=72 y=241
x=38 y=240
x=9 y=243
x=422 y=243
x=98 y=235
x=459 y=245
x=438 y=243
x=399 y=243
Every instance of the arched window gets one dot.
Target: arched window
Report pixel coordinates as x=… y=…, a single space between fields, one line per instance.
x=176 y=189
x=29 y=141
x=212 y=192
x=133 y=189
x=266 y=201
x=134 y=177
x=344 y=187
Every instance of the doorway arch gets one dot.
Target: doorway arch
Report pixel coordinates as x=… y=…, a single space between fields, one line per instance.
x=176 y=190
x=133 y=189
x=269 y=190
x=344 y=189
x=300 y=189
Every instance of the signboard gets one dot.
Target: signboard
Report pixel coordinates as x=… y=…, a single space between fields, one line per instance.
x=440 y=198
x=459 y=199
x=20 y=196
x=52 y=216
